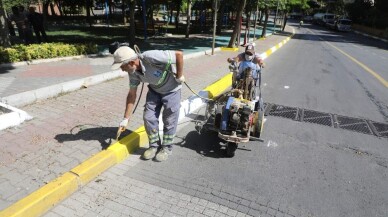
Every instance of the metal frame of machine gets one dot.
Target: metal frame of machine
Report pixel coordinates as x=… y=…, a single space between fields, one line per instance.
x=237 y=115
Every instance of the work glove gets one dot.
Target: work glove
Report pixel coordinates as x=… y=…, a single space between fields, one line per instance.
x=180 y=80
x=124 y=123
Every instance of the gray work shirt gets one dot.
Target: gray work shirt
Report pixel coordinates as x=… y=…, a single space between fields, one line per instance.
x=153 y=64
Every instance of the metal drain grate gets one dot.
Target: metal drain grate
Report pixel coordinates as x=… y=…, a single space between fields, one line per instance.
x=353 y=124
x=284 y=111
x=343 y=122
x=382 y=129
x=316 y=117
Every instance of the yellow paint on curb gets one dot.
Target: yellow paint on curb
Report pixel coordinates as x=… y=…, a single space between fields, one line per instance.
x=219 y=86
x=229 y=48
x=44 y=198
x=92 y=167
x=129 y=144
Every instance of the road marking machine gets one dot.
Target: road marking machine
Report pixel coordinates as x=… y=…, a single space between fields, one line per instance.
x=238 y=114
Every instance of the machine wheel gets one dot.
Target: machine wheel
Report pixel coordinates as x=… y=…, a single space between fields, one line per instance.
x=258 y=125
x=231 y=149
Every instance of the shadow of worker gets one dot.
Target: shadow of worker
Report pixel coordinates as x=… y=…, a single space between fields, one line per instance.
x=206 y=144
x=87 y=132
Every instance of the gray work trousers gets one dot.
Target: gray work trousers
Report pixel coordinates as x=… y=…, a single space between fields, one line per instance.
x=171 y=105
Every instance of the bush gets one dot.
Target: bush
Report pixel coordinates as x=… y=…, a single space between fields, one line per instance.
x=19 y=53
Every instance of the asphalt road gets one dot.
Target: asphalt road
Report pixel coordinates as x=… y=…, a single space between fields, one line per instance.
x=320 y=170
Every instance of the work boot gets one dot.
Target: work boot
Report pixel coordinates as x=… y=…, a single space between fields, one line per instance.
x=150 y=153
x=163 y=154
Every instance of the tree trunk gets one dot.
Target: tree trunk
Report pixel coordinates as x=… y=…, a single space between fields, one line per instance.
x=59 y=5
x=266 y=11
x=132 y=32
x=52 y=10
x=88 y=18
x=45 y=8
x=220 y=18
x=110 y=5
x=261 y=17
x=248 y=23
x=189 y=2
x=125 y=20
x=236 y=29
x=4 y=36
x=178 y=11
x=285 y=21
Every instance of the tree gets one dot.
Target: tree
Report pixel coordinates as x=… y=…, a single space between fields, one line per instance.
x=132 y=6
x=236 y=30
x=4 y=36
x=189 y=3
x=266 y=14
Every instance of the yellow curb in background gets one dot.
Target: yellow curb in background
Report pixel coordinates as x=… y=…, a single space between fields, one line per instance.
x=229 y=48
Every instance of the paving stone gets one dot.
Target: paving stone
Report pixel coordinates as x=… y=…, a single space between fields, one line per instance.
x=64 y=211
x=199 y=208
x=209 y=212
x=231 y=212
x=279 y=214
x=240 y=214
x=242 y=209
x=232 y=205
x=253 y=212
x=212 y=205
x=52 y=214
x=271 y=212
x=159 y=212
x=220 y=214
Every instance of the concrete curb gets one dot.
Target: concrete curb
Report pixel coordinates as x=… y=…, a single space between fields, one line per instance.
x=12 y=116
x=43 y=199
x=370 y=36
x=33 y=62
x=28 y=97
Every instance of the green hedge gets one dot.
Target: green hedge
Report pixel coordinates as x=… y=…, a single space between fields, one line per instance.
x=19 y=53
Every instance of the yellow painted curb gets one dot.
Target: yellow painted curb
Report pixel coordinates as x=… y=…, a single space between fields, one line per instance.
x=219 y=86
x=129 y=144
x=95 y=165
x=44 y=198
x=229 y=48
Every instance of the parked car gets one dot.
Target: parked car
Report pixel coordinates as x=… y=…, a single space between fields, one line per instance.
x=344 y=25
x=332 y=24
x=98 y=6
x=308 y=19
x=322 y=18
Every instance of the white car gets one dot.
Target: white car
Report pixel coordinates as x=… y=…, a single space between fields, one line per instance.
x=344 y=25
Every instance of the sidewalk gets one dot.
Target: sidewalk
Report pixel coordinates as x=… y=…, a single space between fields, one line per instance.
x=25 y=84
x=68 y=129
